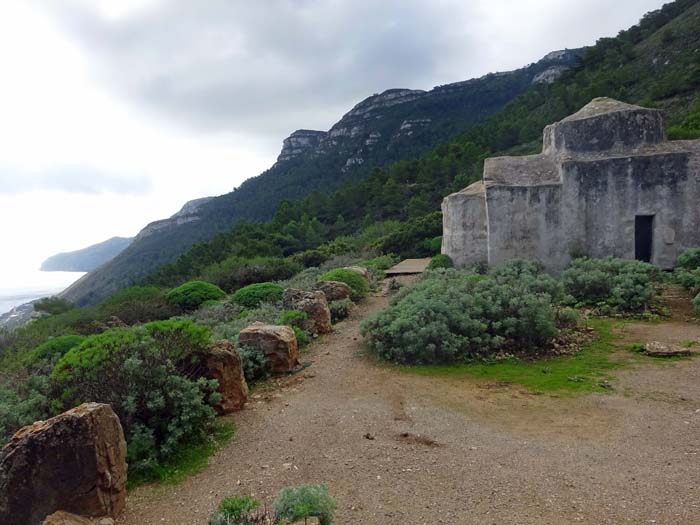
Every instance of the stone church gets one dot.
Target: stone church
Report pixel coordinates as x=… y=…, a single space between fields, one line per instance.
x=607 y=183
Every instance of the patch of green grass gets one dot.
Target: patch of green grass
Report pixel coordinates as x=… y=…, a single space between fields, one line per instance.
x=190 y=459
x=584 y=372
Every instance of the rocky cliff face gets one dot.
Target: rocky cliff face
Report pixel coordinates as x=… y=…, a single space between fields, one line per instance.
x=382 y=121
x=300 y=142
x=394 y=125
x=188 y=213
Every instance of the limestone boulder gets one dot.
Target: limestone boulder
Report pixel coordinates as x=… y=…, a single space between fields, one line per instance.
x=659 y=349
x=66 y=518
x=334 y=290
x=278 y=343
x=223 y=363
x=362 y=270
x=314 y=304
x=75 y=462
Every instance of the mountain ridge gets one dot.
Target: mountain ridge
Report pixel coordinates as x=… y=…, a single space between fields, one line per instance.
x=397 y=124
x=88 y=258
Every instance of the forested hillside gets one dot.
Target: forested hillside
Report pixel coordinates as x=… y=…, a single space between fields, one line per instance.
x=382 y=129
x=397 y=209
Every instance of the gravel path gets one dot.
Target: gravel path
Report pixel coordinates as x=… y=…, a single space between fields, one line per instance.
x=400 y=449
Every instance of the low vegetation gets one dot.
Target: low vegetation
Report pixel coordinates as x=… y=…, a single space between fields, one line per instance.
x=252 y=295
x=453 y=316
x=193 y=294
x=292 y=505
x=153 y=378
x=584 y=371
x=612 y=285
x=687 y=272
x=357 y=283
x=440 y=261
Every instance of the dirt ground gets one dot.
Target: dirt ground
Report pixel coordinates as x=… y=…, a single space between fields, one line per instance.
x=395 y=448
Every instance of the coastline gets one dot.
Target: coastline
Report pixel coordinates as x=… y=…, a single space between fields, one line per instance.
x=16 y=301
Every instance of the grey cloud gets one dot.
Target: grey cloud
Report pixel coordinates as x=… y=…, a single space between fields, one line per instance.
x=72 y=179
x=267 y=67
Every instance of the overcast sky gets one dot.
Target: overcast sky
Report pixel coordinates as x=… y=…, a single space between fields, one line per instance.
x=113 y=113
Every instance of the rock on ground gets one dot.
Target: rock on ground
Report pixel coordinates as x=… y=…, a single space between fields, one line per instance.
x=278 y=343
x=314 y=304
x=224 y=364
x=334 y=290
x=75 y=462
x=659 y=349
x=66 y=518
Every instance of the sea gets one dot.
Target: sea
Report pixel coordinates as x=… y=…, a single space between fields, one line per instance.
x=17 y=289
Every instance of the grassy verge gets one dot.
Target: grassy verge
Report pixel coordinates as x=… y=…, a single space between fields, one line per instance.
x=190 y=459
x=587 y=371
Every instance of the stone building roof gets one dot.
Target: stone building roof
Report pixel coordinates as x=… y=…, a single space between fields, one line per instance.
x=600 y=106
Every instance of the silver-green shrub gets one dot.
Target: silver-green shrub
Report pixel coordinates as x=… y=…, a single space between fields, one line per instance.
x=452 y=316
x=612 y=285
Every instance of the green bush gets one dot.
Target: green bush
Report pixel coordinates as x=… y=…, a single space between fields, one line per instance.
x=53 y=305
x=255 y=365
x=182 y=339
x=568 y=318
x=309 y=259
x=696 y=304
x=234 y=510
x=267 y=313
x=354 y=280
x=433 y=245
x=138 y=304
x=409 y=240
x=53 y=349
x=303 y=338
x=528 y=275
x=688 y=279
x=340 y=309
x=151 y=376
x=236 y=272
x=440 y=261
x=305 y=501
x=191 y=295
x=612 y=285
x=293 y=318
x=689 y=260
x=687 y=272
x=452 y=316
x=23 y=403
x=252 y=295
x=378 y=265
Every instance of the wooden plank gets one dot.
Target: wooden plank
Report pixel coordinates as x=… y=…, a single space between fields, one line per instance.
x=409 y=266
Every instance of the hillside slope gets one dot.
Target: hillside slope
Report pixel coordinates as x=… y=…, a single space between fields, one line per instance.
x=86 y=259
x=395 y=125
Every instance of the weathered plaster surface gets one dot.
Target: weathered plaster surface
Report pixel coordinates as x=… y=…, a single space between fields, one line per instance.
x=599 y=169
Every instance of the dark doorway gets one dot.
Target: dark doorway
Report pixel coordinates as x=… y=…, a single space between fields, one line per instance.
x=643 y=237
